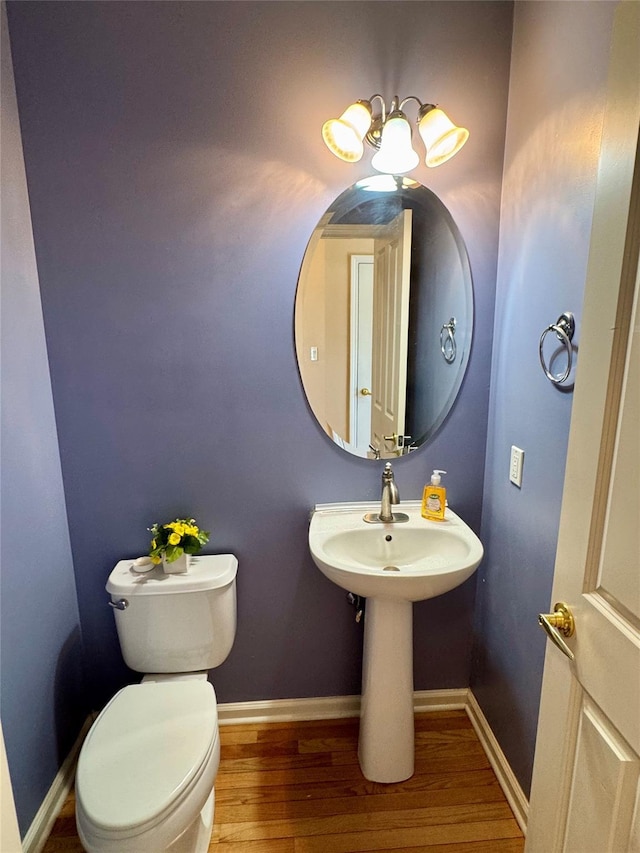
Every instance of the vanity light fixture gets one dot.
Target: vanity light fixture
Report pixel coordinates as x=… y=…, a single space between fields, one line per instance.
x=390 y=133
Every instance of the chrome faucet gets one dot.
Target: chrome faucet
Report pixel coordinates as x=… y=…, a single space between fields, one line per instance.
x=390 y=494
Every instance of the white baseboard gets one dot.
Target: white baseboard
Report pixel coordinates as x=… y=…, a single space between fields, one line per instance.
x=45 y=817
x=296 y=710
x=440 y=700
x=327 y=707
x=506 y=777
x=288 y=710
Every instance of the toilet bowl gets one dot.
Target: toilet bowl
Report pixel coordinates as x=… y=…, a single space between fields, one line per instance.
x=146 y=771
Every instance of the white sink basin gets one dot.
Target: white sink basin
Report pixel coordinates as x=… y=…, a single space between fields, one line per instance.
x=391 y=565
x=408 y=561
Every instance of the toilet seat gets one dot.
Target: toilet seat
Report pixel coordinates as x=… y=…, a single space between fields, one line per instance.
x=150 y=758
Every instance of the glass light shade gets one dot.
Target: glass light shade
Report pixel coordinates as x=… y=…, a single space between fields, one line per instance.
x=343 y=136
x=441 y=137
x=396 y=154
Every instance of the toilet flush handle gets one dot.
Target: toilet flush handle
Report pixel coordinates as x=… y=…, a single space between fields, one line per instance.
x=120 y=604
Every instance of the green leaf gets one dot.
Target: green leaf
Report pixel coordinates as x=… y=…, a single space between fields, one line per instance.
x=172 y=552
x=191 y=544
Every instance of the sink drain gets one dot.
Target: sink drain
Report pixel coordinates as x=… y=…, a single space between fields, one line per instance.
x=390 y=569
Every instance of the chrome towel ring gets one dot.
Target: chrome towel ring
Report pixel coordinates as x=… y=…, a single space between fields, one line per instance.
x=564 y=329
x=448 y=341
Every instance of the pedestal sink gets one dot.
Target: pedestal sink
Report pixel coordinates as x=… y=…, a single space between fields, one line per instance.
x=392 y=565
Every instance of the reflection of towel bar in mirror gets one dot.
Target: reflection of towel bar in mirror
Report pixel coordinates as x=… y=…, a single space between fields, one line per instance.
x=564 y=329
x=448 y=341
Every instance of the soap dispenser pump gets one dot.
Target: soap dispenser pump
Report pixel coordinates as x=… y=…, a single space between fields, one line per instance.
x=434 y=498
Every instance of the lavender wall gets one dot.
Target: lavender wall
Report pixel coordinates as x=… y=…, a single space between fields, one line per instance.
x=40 y=672
x=176 y=171
x=559 y=63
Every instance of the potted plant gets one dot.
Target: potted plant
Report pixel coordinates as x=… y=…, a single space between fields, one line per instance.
x=175 y=542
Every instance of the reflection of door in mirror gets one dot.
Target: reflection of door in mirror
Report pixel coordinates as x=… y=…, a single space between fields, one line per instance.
x=323 y=326
x=390 y=334
x=361 y=352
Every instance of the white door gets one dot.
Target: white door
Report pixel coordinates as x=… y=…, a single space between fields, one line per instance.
x=586 y=783
x=392 y=268
x=9 y=832
x=360 y=353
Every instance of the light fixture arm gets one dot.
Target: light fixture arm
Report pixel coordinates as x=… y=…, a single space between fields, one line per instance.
x=374 y=133
x=411 y=98
x=423 y=109
x=383 y=110
x=378 y=120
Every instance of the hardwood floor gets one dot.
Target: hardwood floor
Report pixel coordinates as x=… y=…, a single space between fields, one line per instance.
x=297 y=788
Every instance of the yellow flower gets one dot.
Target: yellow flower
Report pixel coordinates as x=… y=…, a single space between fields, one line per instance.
x=191 y=530
x=153 y=544
x=155 y=560
x=179 y=528
x=174 y=539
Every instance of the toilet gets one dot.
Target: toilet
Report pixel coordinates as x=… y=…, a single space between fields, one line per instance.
x=146 y=771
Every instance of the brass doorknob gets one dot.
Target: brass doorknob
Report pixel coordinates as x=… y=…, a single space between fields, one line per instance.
x=559 y=622
x=365 y=392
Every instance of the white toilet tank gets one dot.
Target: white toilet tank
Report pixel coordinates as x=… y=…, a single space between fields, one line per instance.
x=176 y=622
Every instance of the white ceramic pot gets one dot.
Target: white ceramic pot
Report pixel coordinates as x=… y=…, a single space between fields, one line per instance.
x=178 y=566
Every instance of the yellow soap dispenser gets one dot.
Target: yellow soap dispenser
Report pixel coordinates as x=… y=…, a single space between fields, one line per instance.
x=434 y=498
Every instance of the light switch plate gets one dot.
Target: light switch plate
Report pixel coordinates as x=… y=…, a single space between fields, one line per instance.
x=515 y=465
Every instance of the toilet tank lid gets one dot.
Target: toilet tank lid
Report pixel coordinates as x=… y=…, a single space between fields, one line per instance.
x=205 y=573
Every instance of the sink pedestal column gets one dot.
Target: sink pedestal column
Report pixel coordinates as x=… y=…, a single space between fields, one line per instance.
x=386 y=747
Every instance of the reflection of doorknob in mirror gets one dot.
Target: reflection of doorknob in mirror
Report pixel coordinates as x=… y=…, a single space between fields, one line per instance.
x=560 y=621
x=365 y=392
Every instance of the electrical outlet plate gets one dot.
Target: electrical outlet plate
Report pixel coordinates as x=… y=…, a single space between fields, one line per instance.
x=515 y=465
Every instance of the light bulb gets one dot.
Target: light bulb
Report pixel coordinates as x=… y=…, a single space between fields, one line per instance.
x=343 y=136
x=396 y=155
x=441 y=137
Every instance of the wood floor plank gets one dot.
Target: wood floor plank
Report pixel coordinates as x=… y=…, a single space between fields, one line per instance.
x=253 y=763
x=337 y=773
x=423 y=784
x=264 y=776
x=320 y=806
x=277 y=845
x=266 y=750
x=373 y=822
x=307 y=728
x=390 y=839
x=229 y=735
x=63 y=844
x=435 y=760
x=495 y=845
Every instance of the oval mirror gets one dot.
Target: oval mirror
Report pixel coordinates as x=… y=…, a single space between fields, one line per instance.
x=383 y=317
